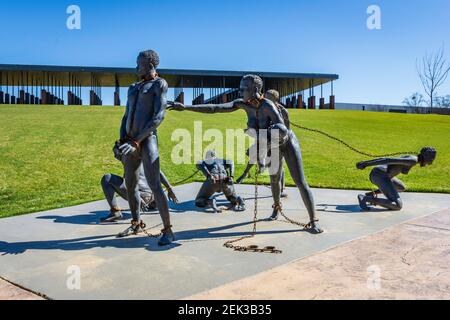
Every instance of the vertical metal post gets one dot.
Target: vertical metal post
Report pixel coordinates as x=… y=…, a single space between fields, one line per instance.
x=7 y=97
x=332 y=97
x=2 y=98
x=13 y=97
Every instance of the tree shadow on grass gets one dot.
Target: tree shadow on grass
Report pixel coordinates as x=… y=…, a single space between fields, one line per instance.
x=141 y=241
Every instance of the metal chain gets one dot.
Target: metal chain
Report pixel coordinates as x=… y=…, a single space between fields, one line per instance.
x=349 y=146
x=186 y=179
x=305 y=226
x=252 y=248
x=231 y=244
x=144 y=230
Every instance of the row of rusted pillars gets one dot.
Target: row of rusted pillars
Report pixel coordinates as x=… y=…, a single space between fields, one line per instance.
x=296 y=102
x=43 y=88
x=95 y=94
x=291 y=102
x=74 y=91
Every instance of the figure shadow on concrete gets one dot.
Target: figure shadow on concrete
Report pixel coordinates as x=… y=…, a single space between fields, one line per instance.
x=93 y=217
x=347 y=209
x=141 y=241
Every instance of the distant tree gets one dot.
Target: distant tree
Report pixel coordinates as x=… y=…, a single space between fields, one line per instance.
x=415 y=100
x=443 y=102
x=433 y=71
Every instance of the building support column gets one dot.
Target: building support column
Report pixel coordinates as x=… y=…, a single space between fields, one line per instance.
x=332 y=102
x=322 y=103
x=69 y=98
x=313 y=102
x=294 y=102
x=13 y=94
x=43 y=96
x=332 y=97
x=300 y=101
x=2 y=97
x=6 y=99
x=27 y=94
x=117 y=92
x=92 y=98
x=80 y=99
x=32 y=96
x=21 y=97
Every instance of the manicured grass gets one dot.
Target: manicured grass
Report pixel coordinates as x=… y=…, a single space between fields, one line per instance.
x=55 y=156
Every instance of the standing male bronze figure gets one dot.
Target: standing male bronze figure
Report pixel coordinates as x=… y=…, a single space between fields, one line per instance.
x=262 y=114
x=145 y=111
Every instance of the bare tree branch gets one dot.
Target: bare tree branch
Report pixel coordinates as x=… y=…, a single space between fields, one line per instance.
x=415 y=100
x=433 y=71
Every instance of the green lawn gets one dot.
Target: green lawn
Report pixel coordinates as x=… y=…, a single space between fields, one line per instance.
x=55 y=156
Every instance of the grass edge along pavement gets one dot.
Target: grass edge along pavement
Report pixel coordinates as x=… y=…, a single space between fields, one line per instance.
x=55 y=156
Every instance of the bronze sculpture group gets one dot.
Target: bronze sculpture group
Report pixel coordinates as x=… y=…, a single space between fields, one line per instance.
x=138 y=151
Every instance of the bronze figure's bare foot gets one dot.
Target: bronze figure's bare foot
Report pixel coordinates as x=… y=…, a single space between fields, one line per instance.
x=115 y=214
x=314 y=228
x=135 y=228
x=362 y=202
x=275 y=213
x=166 y=238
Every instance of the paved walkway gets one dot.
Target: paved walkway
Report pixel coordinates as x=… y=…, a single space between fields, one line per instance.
x=40 y=251
x=9 y=291
x=408 y=261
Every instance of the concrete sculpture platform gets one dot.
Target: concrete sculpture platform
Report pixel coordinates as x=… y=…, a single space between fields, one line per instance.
x=36 y=250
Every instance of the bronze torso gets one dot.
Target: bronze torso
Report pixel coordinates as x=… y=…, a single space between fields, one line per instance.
x=141 y=99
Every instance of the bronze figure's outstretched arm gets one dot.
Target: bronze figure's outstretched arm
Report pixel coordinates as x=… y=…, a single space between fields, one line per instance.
x=207 y=108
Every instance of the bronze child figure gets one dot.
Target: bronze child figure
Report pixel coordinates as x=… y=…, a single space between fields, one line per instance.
x=384 y=177
x=219 y=178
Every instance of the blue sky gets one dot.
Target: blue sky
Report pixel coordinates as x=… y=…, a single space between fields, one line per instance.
x=322 y=36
